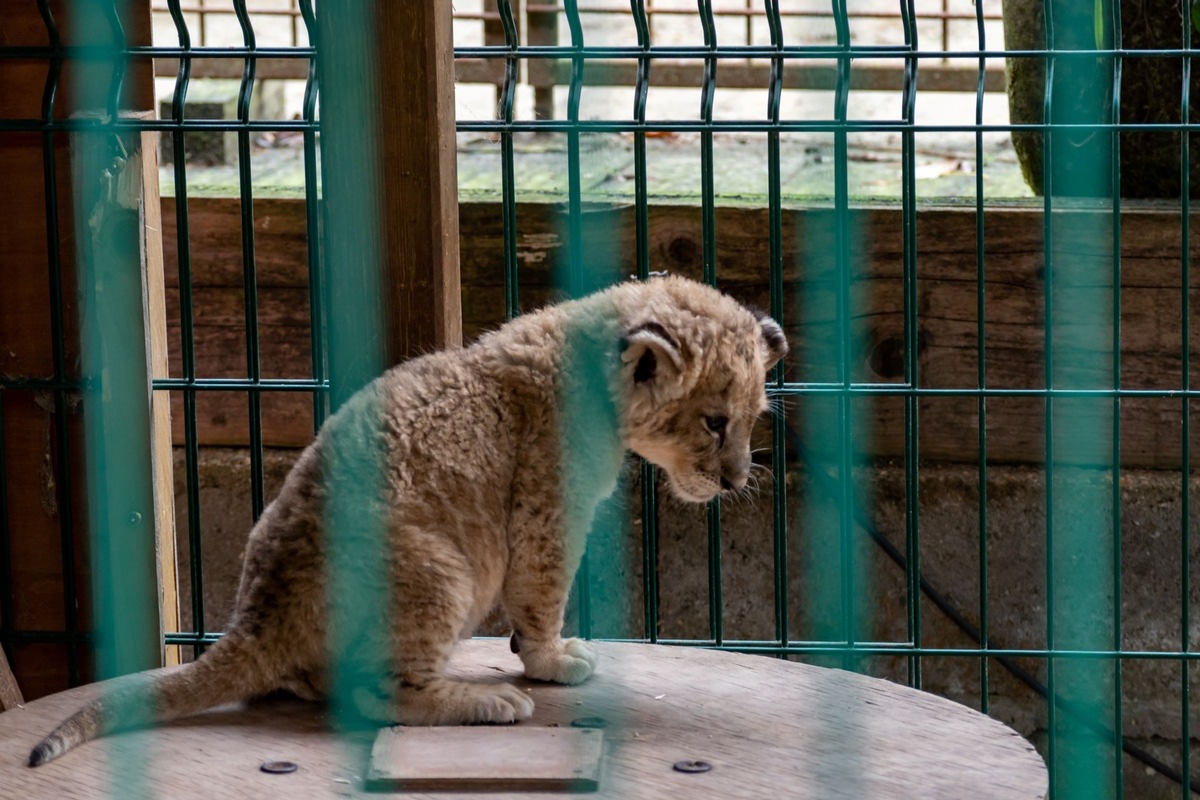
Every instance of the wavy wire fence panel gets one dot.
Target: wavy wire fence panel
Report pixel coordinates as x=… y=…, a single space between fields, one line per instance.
x=949 y=25
x=1081 y=664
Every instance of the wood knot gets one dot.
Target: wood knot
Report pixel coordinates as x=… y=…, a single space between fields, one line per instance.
x=683 y=250
x=887 y=358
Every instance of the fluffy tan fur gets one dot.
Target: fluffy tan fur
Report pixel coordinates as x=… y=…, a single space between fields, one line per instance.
x=494 y=458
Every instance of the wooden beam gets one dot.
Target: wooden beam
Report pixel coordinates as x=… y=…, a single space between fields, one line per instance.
x=545 y=74
x=744 y=74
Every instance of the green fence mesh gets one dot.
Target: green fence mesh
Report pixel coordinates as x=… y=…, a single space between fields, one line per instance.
x=824 y=415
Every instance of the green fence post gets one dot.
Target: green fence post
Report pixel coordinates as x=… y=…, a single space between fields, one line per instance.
x=116 y=413
x=114 y=360
x=1082 y=530
x=352 y=252
x=105 y=166
x=390 y=251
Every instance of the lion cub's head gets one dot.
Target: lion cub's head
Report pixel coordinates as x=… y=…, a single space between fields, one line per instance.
x=694 y=366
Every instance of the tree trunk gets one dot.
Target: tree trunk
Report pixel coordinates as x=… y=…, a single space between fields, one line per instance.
x=1150 y=92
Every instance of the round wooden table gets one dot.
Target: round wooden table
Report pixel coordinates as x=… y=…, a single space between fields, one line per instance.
x=767 y=727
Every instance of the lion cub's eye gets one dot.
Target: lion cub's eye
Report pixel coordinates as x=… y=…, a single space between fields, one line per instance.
x=716 y=424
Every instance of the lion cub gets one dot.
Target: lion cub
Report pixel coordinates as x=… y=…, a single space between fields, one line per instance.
x=493 y=460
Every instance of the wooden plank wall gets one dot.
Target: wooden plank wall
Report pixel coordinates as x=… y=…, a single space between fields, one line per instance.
x=40 y=505
x=946 y=303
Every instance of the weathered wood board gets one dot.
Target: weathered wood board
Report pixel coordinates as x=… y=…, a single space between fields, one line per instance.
x=491 y=758
x=947 y=281
x=768 y=727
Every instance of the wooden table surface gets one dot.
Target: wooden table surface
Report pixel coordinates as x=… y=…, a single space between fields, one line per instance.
x=770 y=728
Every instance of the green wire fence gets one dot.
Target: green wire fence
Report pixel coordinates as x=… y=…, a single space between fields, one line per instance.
x=822 y=416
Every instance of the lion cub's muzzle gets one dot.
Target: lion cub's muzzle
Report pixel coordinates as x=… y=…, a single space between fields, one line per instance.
x=735 y=473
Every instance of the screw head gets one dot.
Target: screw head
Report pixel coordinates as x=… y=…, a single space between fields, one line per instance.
x=589 y=722
x=691 y=766
x=278 y=767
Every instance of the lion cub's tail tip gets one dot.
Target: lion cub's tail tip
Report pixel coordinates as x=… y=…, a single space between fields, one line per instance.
x=48 y=749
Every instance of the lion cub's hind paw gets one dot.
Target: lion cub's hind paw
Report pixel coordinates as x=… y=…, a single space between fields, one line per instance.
x=572 y=662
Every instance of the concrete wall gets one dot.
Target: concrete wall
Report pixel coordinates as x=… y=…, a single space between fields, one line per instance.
x=949 y=560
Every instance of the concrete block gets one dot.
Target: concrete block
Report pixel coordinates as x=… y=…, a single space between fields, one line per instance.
x=212 y=98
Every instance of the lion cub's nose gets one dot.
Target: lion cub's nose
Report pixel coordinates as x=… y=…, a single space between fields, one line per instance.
x=737 y=483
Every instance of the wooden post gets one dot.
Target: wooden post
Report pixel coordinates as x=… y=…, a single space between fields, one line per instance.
x=390 y=182
x=161 y=458
x=543 y=31
x=416 y=44
x=10 y=692
x=493 y=36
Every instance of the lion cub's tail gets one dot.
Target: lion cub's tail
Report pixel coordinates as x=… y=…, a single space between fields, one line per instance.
x=226 y=673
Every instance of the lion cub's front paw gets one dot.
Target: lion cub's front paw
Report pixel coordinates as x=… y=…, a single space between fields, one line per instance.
x=568 y=661
x=501 y=704
x=446 y=702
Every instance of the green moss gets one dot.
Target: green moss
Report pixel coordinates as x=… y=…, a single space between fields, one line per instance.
x=673 y=172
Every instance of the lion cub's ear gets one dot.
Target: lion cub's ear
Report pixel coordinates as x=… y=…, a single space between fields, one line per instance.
x=653 y=352
x=775 y=344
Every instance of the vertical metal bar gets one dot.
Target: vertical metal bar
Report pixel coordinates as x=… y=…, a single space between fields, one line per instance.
x=708 y=88
x=63 y=487
x=649 y=552
x=249 y=271
x=640 y=93
x=981 y=350
x=352 y=248
x=192 y=468
x=1048 y=408
x=575 y=278
x=1185 y=465
x=1115 y=166
x=911 y=375
x=508 y=189
x=1081 y=613
x=117 y=79
x=641 y=213
x=115 y=378
x=845 y=426
x=187 y=324
x=316 y=276
x=709 y=246
x=775 y=277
